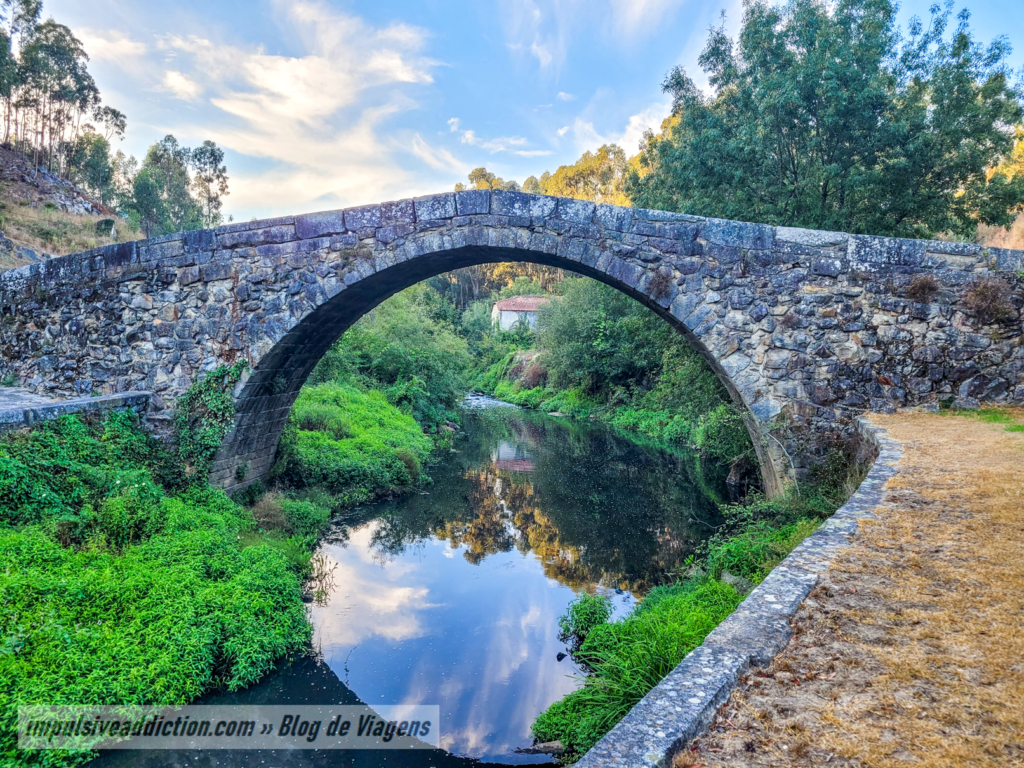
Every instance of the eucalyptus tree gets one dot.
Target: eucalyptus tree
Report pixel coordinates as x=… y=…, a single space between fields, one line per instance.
x=827 y=115
x=210 y=181
x=55 y=90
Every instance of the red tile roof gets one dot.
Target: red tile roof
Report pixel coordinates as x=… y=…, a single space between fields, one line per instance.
x=521 y=303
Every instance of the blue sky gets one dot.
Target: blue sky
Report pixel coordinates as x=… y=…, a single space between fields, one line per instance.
x=327 y=103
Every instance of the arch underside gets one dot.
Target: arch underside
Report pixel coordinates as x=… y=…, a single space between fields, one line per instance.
x=264 y=402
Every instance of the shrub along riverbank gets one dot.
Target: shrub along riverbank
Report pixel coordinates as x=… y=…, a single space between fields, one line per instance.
x=625 y=659
x=122 y=582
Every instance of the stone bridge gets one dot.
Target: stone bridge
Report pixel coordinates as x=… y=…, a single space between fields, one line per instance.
x=806 y=329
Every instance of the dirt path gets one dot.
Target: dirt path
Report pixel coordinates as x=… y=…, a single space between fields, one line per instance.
x=911 y=649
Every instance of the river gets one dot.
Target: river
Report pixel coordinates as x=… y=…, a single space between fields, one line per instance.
x=451 y=595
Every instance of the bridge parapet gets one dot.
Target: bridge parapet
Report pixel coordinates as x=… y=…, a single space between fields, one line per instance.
x=805 y=328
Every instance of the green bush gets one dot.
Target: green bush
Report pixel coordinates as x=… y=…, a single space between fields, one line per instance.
x=384 y=448
x=117 y=589
x=409 y=349
x=758 y=549
x=584 y=613
x=628 y=658
x=203 y=417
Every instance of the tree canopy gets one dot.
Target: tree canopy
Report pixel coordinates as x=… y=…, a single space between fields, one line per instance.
x=827 y=115
x=598 y=176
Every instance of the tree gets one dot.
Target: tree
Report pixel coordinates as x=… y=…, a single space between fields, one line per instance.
x=56 y=89
x=167 y=168
x=826 y=115
x=1013 y=166
x=598 y=176
x=148 y=203
x=113 y=121
x=89 y=165
x=597 y=337
x=210 y=181
x=47 y=93
x=481 y=178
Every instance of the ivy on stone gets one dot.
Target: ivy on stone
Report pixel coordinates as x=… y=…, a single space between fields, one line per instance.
x=204 y=416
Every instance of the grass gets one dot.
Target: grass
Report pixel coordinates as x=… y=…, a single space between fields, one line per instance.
x=51 y=230
x=627 y=658
x=121 y=585
x=1012 y=419
x=352 y=443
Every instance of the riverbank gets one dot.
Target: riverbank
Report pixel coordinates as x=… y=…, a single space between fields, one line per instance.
x=909 y=649
x=684 y=411
x=124 y=583
x=126 y=578
x=626 y=658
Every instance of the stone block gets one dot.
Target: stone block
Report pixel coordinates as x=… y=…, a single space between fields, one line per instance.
x=364 y=217
x=320 y=224
x=579 y=211
x=826 y=267
x=398 y=212
x=739 y=234
x=507 y=203
x=473 y=202
x=221 y=271
x=613 y=217
x=188 y=276
x=254 y=237
x=435 y=207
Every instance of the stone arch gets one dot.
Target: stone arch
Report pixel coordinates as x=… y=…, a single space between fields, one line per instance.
x=265 y=397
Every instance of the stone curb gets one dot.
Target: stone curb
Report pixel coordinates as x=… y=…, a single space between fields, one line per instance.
x=682 y=705
x=18 y=418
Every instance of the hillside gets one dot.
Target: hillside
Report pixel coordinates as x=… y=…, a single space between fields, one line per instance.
x=43 y=215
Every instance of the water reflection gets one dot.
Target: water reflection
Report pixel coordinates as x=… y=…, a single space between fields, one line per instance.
x=451 y=596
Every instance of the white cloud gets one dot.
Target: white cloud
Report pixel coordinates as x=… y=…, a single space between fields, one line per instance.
x=633 y=18
x=587 y=137
x=542 y=53
x=563 y=96
x=317 y=115
x=438 y=158
x=181 y=86
x=563 y=130
x=109 y=45
x=499 y=144
x=547 y=32
x=533 y=152
x=649 y=119
x=453 y=124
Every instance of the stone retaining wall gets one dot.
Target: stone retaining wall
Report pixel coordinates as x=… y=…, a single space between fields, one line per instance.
x=16 y=413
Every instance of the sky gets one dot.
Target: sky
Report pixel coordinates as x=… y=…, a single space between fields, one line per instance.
x=323 y=104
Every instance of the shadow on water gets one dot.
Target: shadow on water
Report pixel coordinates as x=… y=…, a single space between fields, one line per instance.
x=451 y=596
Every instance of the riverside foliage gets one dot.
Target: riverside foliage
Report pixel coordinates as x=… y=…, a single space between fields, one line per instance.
x=122 y=584
x=600 y=354
x=626 y=659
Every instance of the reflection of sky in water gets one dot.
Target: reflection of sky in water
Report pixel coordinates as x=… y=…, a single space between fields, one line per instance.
x=429 y=627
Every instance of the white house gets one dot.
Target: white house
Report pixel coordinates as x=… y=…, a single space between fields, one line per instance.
x=507 y=312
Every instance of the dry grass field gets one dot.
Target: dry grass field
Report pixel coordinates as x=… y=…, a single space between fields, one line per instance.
x=911 y=649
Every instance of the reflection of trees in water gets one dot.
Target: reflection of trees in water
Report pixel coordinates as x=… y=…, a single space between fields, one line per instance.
x=594 y=509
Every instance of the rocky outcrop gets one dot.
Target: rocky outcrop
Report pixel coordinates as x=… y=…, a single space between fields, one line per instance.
x=806 y=329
